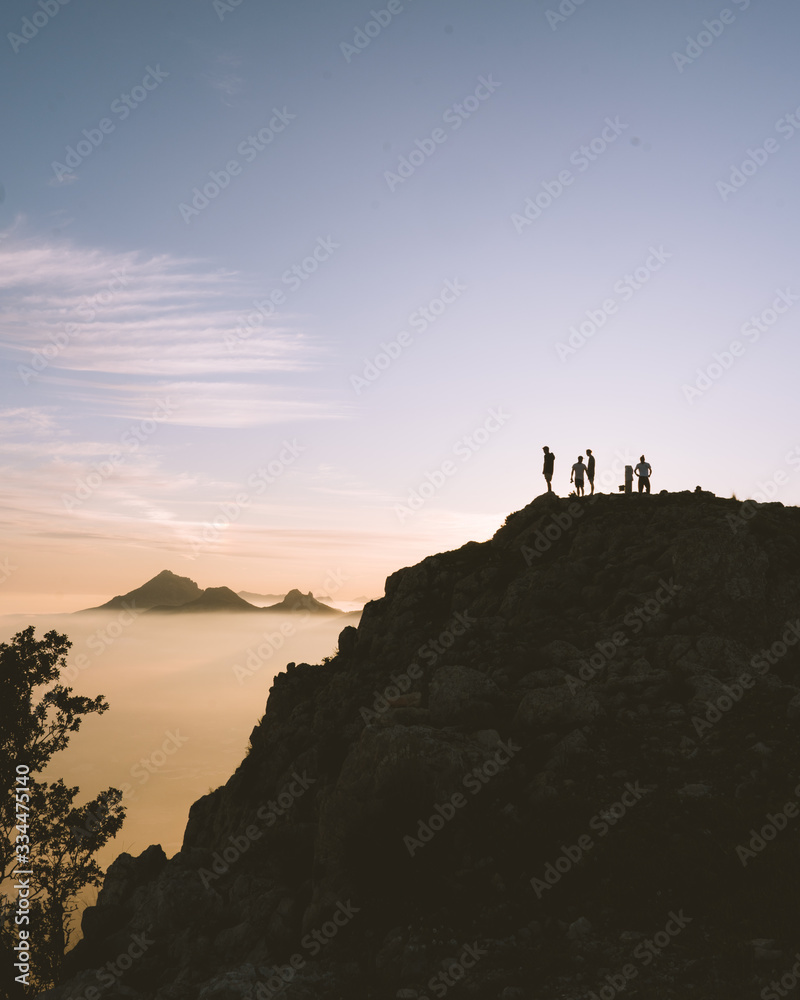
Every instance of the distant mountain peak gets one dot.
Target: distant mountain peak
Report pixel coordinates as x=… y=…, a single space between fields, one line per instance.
x=209 y=600
x=167 y=591
x=164 y=589
x=296 y=600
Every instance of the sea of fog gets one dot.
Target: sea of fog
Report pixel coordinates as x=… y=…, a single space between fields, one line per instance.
x=184 y=694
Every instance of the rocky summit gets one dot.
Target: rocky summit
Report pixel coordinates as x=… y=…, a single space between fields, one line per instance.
x=559 y=764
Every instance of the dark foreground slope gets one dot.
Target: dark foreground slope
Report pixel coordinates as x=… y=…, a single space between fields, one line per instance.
x=525 y=775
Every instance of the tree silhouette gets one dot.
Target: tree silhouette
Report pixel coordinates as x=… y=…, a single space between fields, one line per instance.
x=36 y=721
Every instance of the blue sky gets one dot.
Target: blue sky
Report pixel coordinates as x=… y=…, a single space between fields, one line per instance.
x=366 y=180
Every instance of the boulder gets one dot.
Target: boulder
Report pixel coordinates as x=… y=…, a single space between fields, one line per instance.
x=461 y=696
x=542 y=709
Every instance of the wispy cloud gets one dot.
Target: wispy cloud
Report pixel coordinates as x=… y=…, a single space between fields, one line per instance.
x=63 y=180
x=111 y=332
x=223 y=78
x=227 y=83
x=26 y=420
x=126 y=313
x=335 y=482
x=230 y=404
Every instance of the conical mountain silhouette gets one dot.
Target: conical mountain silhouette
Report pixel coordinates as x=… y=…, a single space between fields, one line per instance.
x=164 y=589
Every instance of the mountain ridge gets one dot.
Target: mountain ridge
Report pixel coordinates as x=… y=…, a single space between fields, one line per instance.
x=295 y=600
x=554 y=748
x=210 y=600
x=251 y=596
x=169 y=593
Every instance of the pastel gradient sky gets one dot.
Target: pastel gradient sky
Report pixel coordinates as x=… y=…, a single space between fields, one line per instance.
x=152 y=418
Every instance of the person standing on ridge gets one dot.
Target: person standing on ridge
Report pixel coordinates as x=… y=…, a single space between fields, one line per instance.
x=578 y=470
x=590 y=468
x=643 y=470
x=549 y=464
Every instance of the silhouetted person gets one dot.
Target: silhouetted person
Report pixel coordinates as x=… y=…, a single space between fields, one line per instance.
x=590 y=468
x=643 y=470
x=549 y=464
x=578 y=470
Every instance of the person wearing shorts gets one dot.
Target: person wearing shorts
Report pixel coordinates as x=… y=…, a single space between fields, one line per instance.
x=643 y=470
x=578 y=471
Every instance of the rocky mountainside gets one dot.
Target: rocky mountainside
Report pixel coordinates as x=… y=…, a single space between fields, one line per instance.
x=559 y=764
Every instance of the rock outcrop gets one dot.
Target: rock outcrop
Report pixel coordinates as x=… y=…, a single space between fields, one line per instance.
x=562 y=763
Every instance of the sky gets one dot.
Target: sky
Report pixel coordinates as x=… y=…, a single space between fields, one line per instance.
x=293 y=293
